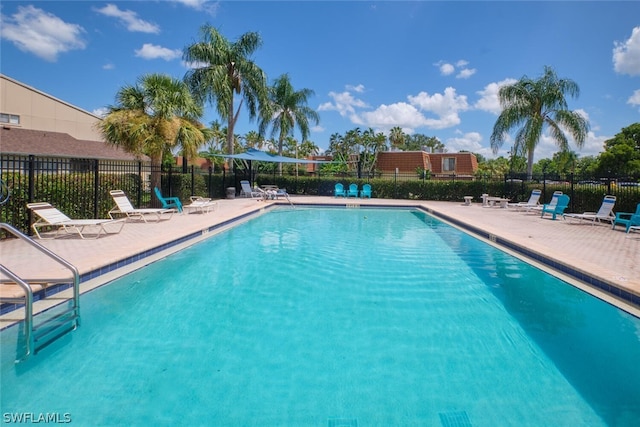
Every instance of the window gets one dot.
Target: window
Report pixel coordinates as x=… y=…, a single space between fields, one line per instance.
x=449 y=164
x=9 y=118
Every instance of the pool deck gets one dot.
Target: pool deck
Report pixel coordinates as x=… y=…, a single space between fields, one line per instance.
x=608 y=258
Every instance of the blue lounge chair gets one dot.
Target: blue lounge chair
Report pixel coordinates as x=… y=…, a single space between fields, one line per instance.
x=353 y=190
x=168 y=202
x=627 y=219
x=338 y=191
x=558 y=209
x=366 y=191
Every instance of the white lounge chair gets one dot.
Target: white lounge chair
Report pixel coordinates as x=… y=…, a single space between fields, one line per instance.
x=534 y=200
x=200 y=204
x=124 y=207
x=247 y=191
x=50 y=217
x=605 y=213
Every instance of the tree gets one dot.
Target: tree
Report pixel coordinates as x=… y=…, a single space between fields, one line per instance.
x=153 y=117
x=226 y=71
x=287 y=108
x=417 y=142
x=397 y=137
x=533 y=105
x=622 y=153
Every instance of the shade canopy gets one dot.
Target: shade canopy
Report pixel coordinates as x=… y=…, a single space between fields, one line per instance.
x=262 y=156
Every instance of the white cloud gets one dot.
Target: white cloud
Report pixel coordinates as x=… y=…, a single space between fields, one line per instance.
x=626 y=55
x=465 y=73
x=101 y=112
x=130 y=19
x=467 y=142
x=357 y=88
x=43 y=34
x=151 y=51
x=446 y=106
x=108 y=66
x=385 y=117
x=489 y=97
x=344 y=103
x=635 y=98
x=211 y=7
x=446 y=69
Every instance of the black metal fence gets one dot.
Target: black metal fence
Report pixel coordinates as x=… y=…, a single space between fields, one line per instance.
x=80 y=187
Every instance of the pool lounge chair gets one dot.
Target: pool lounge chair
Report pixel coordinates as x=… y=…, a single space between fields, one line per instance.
x=124 y=207
x=627 y=219
x=201 y=205
x=168 y=202
x=247 y=191
x=353 y=190
x=50 y=217
x=338 y=191
x=534 y=200
x=558 y=208
x=605 y=213
x=552 y=202
x=366 y=191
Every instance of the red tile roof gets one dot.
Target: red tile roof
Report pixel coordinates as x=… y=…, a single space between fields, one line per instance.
x=55 y=144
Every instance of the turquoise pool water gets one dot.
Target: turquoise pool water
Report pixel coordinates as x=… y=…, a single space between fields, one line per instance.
x=327 y=317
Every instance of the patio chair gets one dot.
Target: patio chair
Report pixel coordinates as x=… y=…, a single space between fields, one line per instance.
x=353 y=190
x=201 y=205
x=627 y=219
x=366 y=191
x=50 y=217
x=282 y=192
x=534 y=200
x=168 y=202
x=605 y=213
x=552 y=202
x=339 y=191
x=247 y=191
x=558 y=208
x=124 y=207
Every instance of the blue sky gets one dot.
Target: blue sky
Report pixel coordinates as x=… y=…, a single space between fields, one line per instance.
x=430 y=67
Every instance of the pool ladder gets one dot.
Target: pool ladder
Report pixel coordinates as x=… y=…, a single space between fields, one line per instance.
x=64 y=320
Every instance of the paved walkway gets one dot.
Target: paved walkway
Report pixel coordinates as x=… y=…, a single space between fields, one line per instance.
x=610 y=256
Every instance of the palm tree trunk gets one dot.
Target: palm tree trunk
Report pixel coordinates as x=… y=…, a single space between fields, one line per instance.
x=529 y=165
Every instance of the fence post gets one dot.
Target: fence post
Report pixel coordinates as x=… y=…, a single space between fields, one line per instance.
x=141 y=181
x=96 y=187
x=31 y=193
x=193 y=183
x=209 y=189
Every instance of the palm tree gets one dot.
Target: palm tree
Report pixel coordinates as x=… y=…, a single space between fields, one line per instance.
x=397 y=137
x=531 y=106
x=226 y=71
x=286 y=109
x=153 y=117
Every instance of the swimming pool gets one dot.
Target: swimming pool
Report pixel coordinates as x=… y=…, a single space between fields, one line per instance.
x=338 y=317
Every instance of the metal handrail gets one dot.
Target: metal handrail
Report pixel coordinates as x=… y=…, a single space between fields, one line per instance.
x=28 y=309
x=29 y=294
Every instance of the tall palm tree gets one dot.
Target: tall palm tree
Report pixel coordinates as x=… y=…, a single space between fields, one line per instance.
x=397 y=137
x=286 y=109
x=533 y=105
x=225 y=71
x=154 y=116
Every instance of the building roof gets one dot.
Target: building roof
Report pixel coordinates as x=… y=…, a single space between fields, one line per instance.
x=55 y=144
